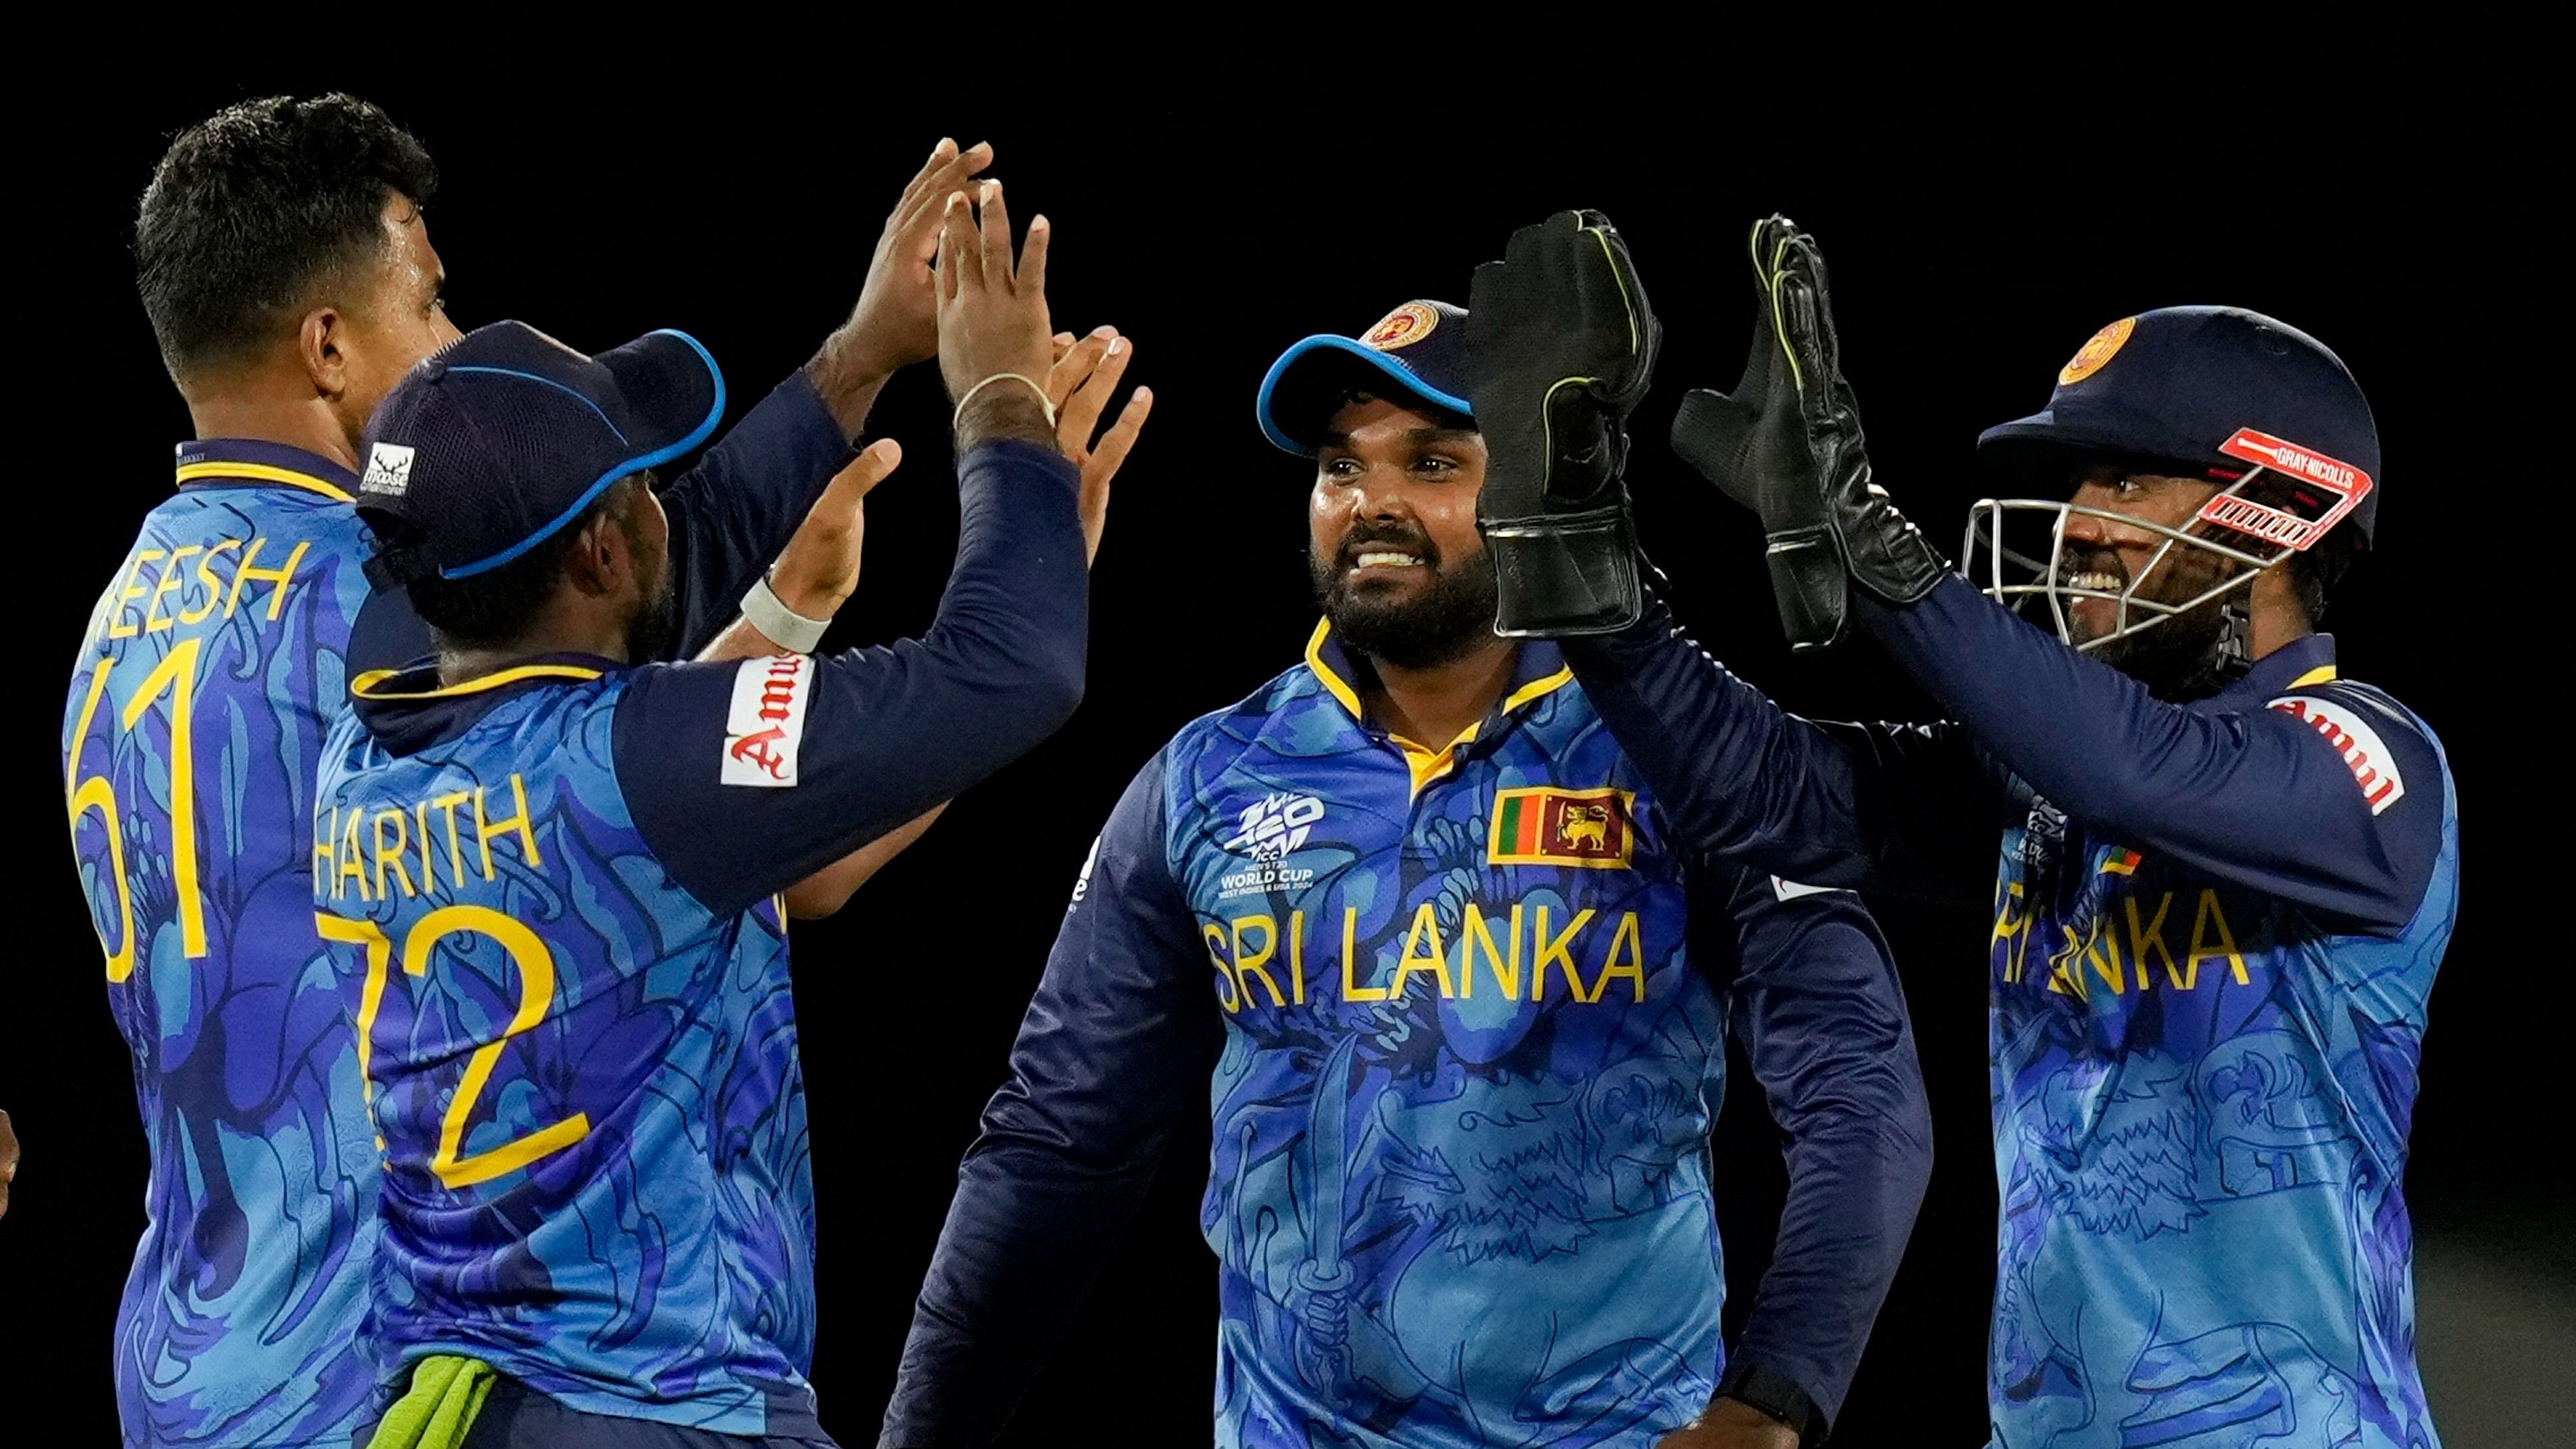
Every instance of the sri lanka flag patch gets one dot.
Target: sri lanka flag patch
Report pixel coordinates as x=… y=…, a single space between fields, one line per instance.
x=1545 y=826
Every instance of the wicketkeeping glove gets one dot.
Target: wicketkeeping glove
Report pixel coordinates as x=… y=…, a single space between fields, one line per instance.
x=1560 y=346
x=1787 y=444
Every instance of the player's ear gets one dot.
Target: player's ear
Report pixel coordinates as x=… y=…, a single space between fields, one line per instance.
x=599 y=557
x=322 y=343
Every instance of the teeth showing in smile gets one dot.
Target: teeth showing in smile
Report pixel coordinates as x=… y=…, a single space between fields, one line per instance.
x=1383 y=559
x=2094 y=582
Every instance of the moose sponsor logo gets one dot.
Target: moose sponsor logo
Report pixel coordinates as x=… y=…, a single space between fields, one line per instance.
x=388 y=470
x=1546 y=826
x=767 y=720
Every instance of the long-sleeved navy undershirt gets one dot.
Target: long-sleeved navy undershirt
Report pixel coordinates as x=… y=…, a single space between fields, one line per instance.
x=2252 y=794
x=887 y=731
x=1115 y=1054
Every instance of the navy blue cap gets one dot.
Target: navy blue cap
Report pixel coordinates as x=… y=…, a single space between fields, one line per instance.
x=1420 y=348
x=2216 y=388
x=505 y=436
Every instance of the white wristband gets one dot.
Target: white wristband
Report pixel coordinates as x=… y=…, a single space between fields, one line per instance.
x=785 y=627
x=1033 y=384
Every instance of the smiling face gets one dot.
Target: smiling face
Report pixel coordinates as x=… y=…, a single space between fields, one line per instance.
x=1398 y=565
x=2178 y=657
x=2104 y=555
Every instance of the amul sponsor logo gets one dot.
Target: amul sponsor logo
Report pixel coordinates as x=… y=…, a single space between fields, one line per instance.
x=766 y=722
x=2356 y=741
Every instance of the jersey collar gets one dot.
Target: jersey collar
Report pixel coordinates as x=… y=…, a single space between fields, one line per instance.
x=2309 y=659
x=1538 y=670
x=252 y=463
x=408 y=710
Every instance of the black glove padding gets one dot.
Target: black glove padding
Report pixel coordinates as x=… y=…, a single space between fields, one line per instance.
x=1787 y=444
x=1560 y=346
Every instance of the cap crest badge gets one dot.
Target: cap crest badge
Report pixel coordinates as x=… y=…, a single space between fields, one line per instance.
x=1402 y=327
x=2097 y=350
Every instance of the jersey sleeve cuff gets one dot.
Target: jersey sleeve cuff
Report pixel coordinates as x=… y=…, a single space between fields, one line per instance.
x=1776 y=1396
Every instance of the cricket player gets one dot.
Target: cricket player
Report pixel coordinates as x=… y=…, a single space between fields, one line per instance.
x=1457 y=1002
x=2226 y=871
x=548 y=872
x=285 y=263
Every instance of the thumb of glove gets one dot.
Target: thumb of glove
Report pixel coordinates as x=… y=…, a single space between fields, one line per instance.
x=1716 y=434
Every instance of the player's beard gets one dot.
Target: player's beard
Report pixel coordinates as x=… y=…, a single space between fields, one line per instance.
x=650 y=632
x=655 y=624
x=1434 y=626
x=2182 y=656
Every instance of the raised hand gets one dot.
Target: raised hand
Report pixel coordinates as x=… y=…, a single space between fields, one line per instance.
x=995 y=347
x=1787 y=444
x=896 y=321
x=1084 y=378
x=1561 y=345
x=819 y=569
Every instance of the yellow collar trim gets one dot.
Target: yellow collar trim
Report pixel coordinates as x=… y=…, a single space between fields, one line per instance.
x=1337 y=686
x=1340 y=688
x=1537 y=688
x=1427 y=764
x=370 y=685
x=2322 y=674
x=263 y=473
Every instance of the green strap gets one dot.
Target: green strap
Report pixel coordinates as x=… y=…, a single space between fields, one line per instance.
x=446 y=1393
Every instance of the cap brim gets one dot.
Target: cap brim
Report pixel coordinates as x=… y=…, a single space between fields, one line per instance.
x=1303 y=388
x=673 y=393
x=669 y=397
x=2027 y=445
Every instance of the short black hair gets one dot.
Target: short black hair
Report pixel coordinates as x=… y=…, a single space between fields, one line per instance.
x=494 y=609
x=253 y=206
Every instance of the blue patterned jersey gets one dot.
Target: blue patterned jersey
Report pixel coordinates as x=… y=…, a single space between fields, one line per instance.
x=2216 y=925
x=548 y=898
x=196 y=714
x=2202 y=1092
x=585 y=1079
x=211 y=670
x=1460 y=1019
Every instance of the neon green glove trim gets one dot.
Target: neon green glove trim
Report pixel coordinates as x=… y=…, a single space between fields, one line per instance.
x=447 y=1392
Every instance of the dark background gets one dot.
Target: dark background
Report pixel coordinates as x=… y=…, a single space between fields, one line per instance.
x=1985 y=211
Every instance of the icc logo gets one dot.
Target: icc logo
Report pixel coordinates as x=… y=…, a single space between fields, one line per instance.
x=1272 y=826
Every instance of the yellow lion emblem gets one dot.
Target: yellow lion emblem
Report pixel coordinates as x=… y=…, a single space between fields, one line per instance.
x=1585 y=824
